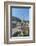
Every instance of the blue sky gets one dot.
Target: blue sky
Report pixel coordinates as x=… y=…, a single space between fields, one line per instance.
x=22 y=13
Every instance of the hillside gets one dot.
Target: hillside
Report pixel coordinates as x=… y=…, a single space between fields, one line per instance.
x=15 y=19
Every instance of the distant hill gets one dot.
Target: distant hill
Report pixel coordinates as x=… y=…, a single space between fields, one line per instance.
x=17 y=19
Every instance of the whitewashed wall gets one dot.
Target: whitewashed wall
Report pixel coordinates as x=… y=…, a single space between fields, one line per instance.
x=23 y=0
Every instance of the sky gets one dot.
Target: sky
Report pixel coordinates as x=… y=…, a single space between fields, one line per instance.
x=22 y=13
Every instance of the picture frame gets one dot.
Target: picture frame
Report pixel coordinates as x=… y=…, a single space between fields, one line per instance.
x=21 y=13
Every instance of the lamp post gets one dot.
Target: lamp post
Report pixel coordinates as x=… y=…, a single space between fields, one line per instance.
x=22 y=25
